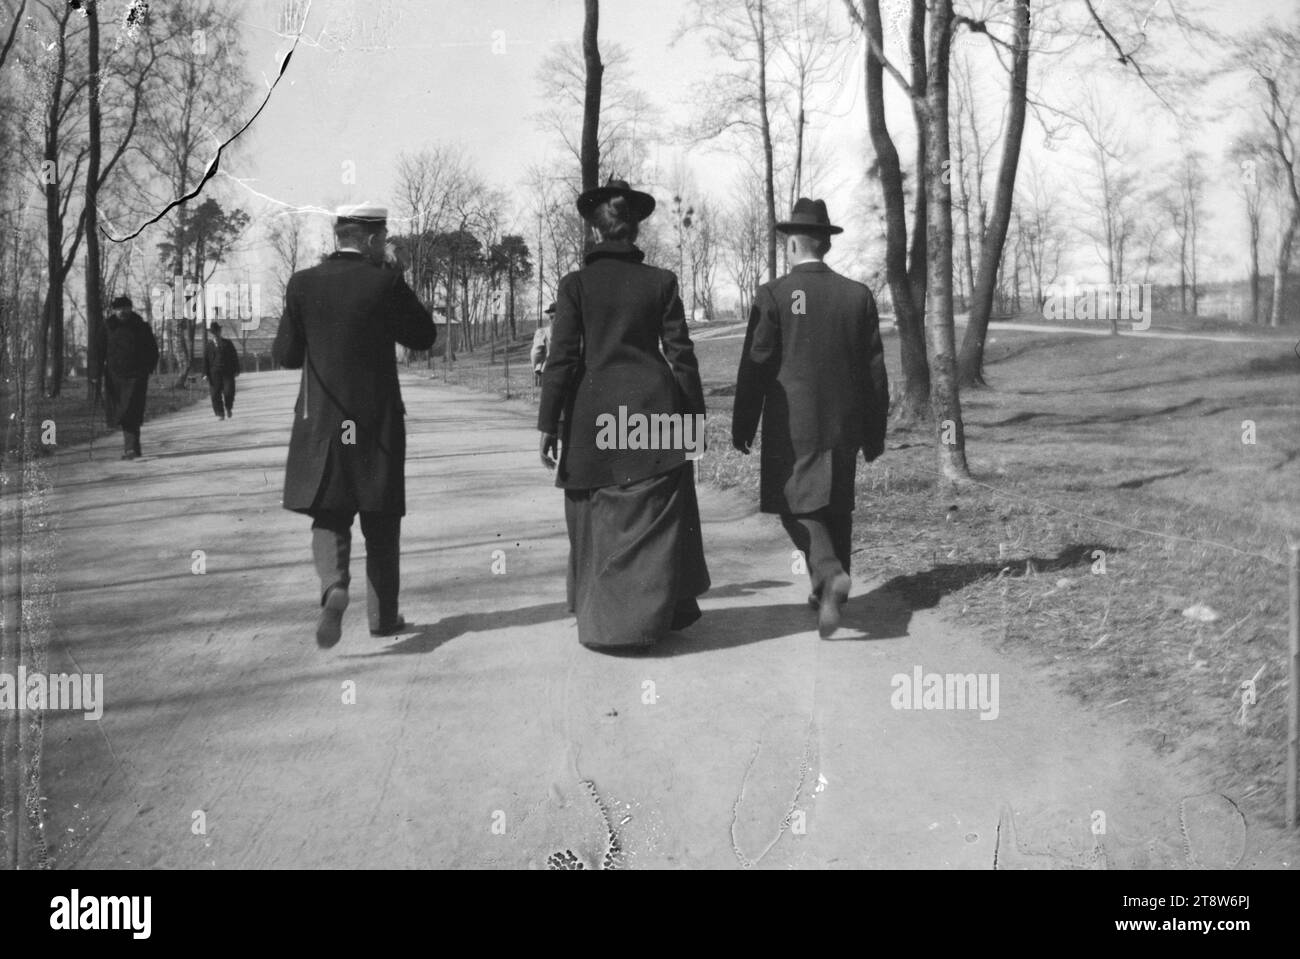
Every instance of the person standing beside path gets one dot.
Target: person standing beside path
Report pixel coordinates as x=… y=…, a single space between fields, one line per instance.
x=541 y=346
x=347 y=452
x=128 y=355
x=813 y=367
x=621 y=353
x=220 y=366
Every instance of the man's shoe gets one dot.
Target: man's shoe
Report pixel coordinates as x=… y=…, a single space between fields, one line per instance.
x=130 y=455
x=834 y=595
x=330 y=625
x=398 y=626
x=221 y=416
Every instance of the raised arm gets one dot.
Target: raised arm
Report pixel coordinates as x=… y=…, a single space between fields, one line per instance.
x=412 y=323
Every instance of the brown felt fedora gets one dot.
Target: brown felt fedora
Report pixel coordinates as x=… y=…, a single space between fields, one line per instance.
x=642 y=204
x=809 y=216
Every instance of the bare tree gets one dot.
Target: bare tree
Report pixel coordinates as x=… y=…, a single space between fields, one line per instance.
x=1273 y=54
x=744 y=241
x=201 y=92
x=14 y=23
x=744 y=32
x=1249 y=173
x=812 y=48
x=993 y=241
x=1113 y=195
x=1191 y=190
x=591 y=98
x=431 y=185
x=628 y=119
x=905 y=271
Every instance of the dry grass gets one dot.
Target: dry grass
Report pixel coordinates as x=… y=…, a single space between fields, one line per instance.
x=74 y=419
x=1132 y=447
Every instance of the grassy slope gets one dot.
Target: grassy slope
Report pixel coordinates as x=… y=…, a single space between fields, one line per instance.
x=74 y=419
x=1081 y=443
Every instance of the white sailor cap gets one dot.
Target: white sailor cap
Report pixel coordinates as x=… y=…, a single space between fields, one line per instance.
x=363 y=213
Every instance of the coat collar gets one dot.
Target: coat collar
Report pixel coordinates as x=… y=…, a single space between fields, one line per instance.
x=810 y=266
x=347 y=255
x=615 y=249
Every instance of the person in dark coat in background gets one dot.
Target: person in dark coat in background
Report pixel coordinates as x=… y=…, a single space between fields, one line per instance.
x=347 y=452
x=813 y=367
x=636 y=555
x=127 y=355
x=220 y=366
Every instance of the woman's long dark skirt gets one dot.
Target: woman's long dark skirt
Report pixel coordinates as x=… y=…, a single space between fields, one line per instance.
x=636 y=559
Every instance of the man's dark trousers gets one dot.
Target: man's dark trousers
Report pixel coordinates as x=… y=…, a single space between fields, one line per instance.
x=825 y=539
x=222 y=389
x=331 y=544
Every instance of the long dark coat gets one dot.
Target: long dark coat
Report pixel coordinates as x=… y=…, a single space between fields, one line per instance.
x=128 y=354
x=611 y=318
x=813 y=367
x=348 y=446
x=220 y=361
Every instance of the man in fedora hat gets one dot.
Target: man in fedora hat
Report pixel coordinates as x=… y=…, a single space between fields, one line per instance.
x=347 y=452
x=127 y=354
x=220 y=366
x=813 y=367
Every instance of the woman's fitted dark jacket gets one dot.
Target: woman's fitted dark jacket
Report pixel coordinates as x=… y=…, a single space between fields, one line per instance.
x=611 y=318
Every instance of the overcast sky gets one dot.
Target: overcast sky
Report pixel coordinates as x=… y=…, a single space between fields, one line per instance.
x=373 y=79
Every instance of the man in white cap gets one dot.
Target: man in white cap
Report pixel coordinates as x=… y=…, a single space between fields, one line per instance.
x=347 y=452
x=542 y=345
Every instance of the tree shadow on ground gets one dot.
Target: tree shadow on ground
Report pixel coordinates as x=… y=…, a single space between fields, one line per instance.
x=894 y=601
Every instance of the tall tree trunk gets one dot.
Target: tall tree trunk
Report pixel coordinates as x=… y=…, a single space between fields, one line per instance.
x=1182 y=267
x=49 y=374
x=907 y=292
x=591 y=106
x=769 y=190
x=94 y=292
x=977 y=326
x=945 y=402
x=1254 y=267
x=1285 y=238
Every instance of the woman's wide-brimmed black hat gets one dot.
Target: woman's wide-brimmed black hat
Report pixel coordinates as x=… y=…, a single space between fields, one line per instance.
x=642 y=204
x=809 y=216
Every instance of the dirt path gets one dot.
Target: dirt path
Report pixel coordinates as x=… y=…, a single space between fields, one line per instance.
x=487 y=736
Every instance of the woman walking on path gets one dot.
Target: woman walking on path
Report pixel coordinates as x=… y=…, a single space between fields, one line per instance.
x=626 y=415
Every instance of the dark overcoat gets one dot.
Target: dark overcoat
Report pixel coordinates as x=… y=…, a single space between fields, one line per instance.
x=813 y=367
x=128 y=354
x=220 y=361
x=619 y=340
x=341 y=322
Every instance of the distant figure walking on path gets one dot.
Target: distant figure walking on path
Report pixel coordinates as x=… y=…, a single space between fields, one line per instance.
x=636 y=556
x=347 y=453
x=542 y=345
x=813 y=366
x=127 y=355
x=220 y=366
